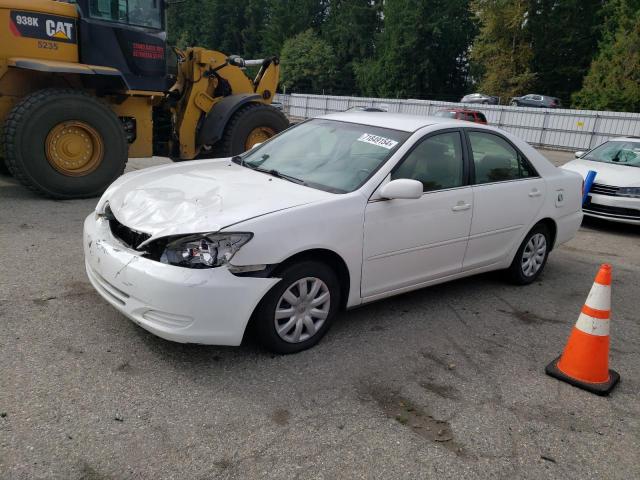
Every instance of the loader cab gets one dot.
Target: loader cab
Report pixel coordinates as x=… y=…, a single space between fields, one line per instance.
x=128 y=35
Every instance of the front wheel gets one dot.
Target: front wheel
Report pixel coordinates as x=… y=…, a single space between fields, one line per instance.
x=298 y=311
x=64 y=143
x=252 y=124
x=514 y=104
x=531 y=257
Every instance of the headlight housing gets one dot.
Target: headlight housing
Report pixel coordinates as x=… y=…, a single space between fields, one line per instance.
x=204 y=250
x=633 y=192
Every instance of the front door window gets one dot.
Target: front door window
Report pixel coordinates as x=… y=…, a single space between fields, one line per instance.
x=436 y=162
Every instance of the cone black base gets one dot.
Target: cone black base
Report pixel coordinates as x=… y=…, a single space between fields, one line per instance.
x=597 y=388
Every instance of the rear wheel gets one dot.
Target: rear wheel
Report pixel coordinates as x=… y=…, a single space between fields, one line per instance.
x=298 y=311
x=531 y=257
x=64 y=144
x=253 y=123
x=3 y=168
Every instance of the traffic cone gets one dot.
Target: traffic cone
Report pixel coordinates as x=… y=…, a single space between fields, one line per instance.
x=585 y=360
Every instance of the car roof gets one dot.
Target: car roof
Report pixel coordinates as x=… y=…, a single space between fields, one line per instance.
x=394 y=121
x=630 y=138
x=460 y=110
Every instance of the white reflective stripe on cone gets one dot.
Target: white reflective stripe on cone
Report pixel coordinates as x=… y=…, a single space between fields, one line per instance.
x=592 y=326
x=599 y=297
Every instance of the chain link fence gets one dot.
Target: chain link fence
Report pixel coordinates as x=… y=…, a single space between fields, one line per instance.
x=561 y=129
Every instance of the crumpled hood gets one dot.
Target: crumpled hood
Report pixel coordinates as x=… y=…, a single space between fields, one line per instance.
x=607 y=173
x=199 y=196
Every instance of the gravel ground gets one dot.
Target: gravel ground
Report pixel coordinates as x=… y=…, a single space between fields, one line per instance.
x=446 y=382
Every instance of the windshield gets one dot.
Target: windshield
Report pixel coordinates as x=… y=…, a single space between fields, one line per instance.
x=325 y=154
x=618 y=152
x=445 y=114
x=144 y=13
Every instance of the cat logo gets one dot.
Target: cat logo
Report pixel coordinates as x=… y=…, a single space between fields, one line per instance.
x=59 y=30
x=42 y=26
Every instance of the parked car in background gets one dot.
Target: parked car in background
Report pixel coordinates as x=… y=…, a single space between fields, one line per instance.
x=533 y=100
x=462 y=114
x=615 y=194
x=335 y=212
x=480 y=98
x=360 y=108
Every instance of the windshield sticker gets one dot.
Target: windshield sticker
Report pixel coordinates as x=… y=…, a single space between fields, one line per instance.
x=379 y=141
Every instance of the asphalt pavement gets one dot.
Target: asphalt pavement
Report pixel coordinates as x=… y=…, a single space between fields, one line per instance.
x=445 y=382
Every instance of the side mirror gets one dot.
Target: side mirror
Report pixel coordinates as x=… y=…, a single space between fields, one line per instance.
x=402 y=188
x=580 y=154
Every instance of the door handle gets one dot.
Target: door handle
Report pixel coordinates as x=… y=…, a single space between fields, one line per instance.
x=461 y=206
x=535 y=193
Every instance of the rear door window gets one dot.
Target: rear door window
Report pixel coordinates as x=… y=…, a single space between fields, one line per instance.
x=496 y=160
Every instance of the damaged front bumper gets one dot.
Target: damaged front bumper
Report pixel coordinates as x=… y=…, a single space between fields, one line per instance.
x=207 y=306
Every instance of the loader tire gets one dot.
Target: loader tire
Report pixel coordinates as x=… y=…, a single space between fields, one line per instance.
x=64 y=143
x=253 y=123
x=3 y=168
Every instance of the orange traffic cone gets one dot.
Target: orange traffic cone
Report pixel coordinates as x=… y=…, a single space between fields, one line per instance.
x=585 y=360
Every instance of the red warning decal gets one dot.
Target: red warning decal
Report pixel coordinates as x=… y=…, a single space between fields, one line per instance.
x=146 y=50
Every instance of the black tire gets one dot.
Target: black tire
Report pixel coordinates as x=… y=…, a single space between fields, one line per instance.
x=516 y=272
x=26 y=130
x=264 y=322
x=3 y=168
x=514 y=104
x=245 y=120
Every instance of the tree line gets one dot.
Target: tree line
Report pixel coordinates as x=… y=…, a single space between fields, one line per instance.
x=586 y=52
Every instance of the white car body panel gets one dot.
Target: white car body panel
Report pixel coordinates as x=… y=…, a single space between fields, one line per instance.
x=209 y=306
x=610 y=175
x=407 y=242
x=200 y=197
x=502 y=216
x=388 y=246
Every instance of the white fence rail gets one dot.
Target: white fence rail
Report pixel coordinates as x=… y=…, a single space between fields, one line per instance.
x=554 y=128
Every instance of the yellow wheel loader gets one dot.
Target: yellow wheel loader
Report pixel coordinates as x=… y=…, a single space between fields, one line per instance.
x=87 y=84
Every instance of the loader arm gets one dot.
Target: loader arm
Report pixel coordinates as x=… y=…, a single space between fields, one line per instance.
x=266 y=80
x=206 y=78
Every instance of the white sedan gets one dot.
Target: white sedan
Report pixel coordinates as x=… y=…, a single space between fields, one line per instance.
x=615 y=195
x=331 y=214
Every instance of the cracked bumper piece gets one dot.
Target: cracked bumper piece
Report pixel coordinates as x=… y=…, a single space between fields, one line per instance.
x=208 y=306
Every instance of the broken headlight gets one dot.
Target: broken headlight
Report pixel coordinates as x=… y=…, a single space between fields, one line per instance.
x=203 y=251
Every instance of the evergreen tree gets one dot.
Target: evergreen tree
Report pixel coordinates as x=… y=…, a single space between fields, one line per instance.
x=502 y=53
x=255 y=12
x=287 y=18
x=564 y=38
x=350 y=28
x=613 y=81
x=421 y=52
